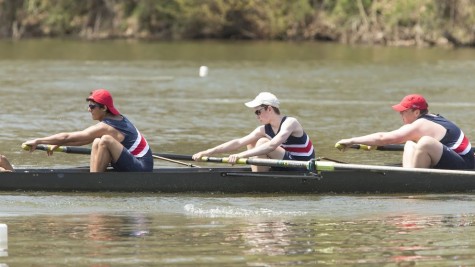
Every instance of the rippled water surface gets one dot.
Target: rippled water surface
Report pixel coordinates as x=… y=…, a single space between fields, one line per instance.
x=218 y=230
x=335 y=91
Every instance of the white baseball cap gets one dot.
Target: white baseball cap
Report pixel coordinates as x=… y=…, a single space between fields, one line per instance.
x=264 y=98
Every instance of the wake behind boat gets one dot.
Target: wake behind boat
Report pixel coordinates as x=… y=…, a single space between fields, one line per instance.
x=365 y=179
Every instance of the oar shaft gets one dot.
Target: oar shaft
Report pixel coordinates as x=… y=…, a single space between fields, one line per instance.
x=314 y=166
x=392 y=147
x=76 y=150
x=174 y=156
x=264 y=162
x=175 y=161
x=333 y=166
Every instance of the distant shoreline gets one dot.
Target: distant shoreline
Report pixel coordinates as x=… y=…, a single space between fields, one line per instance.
x=421 y=23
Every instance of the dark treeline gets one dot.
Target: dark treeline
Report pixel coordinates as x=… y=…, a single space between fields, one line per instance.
x=385 y=22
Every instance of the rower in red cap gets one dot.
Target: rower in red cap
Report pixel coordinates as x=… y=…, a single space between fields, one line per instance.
x=431 y=141
x=115 y=140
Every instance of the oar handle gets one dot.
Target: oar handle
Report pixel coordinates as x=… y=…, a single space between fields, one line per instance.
x=65 y=149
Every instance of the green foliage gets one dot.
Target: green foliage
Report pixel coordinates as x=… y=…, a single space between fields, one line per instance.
x=338 y=20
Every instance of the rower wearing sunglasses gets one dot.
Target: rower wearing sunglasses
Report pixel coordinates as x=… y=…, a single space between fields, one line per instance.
x=115 y=140
x=279 y=137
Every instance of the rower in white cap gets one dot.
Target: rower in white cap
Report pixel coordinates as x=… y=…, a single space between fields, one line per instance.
x=279 y=137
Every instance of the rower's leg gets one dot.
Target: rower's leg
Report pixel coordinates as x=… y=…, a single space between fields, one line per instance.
x=427 y=153
x=255 y=168
x=408 y=155
x=5 y=165
x=95 y=151
x=104 y=151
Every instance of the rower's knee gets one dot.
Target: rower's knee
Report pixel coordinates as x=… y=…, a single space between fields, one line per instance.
x=96 y=141
x=3 y=160
x=258 y=143
x=262 y=141
x=104 y=141
x=428 y=152
x=409 y=145
x=5 y=164
x=107 y=139
x=427 y=143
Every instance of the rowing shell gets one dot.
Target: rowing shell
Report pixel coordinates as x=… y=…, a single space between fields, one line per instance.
x=241 y=180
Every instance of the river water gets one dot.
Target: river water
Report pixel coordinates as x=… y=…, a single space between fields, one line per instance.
x=335 y=91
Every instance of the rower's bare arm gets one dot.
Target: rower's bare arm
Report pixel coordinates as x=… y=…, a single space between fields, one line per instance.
x=232 y=145
x=88 y=135
x=399 y=136
x=239 y=142
x=77 y=138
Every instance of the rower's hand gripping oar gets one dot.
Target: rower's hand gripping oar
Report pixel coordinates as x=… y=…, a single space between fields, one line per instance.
x=392 y=147
x=87 y=151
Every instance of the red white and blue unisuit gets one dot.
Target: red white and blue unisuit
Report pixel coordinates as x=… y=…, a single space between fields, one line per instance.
x=454 y=138
x=299 y=148
x=133 y=141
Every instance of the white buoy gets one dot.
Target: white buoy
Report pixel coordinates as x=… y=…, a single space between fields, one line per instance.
x=3 y=240
x=203 y=71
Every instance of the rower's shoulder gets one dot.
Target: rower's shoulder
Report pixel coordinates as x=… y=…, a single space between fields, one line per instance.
x=292 y=121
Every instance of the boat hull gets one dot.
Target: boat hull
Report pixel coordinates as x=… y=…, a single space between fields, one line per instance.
x=235 y=180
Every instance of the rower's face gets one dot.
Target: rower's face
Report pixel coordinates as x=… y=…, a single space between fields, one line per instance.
x=409 y=115
x=95 y=109
x=262 y=113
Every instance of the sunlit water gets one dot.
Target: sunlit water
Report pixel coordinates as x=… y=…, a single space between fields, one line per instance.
x=335 y=91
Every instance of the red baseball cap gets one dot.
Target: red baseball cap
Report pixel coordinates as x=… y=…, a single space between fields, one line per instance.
x=411 y=102
x=102 y=96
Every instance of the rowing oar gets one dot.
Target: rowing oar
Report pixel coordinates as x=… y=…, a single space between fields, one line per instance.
x=87 y=151
x=317 y=166
x=393 y=147
x=309 y=165
x=64 y=149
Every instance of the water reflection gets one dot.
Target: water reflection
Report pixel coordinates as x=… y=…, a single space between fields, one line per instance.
x=100 y=227
x=173 y=240
x=90 y=235
x=267 y=238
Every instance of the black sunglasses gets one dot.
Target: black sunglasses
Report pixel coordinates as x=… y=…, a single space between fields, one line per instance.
x=259 y=111
x=93 y=106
